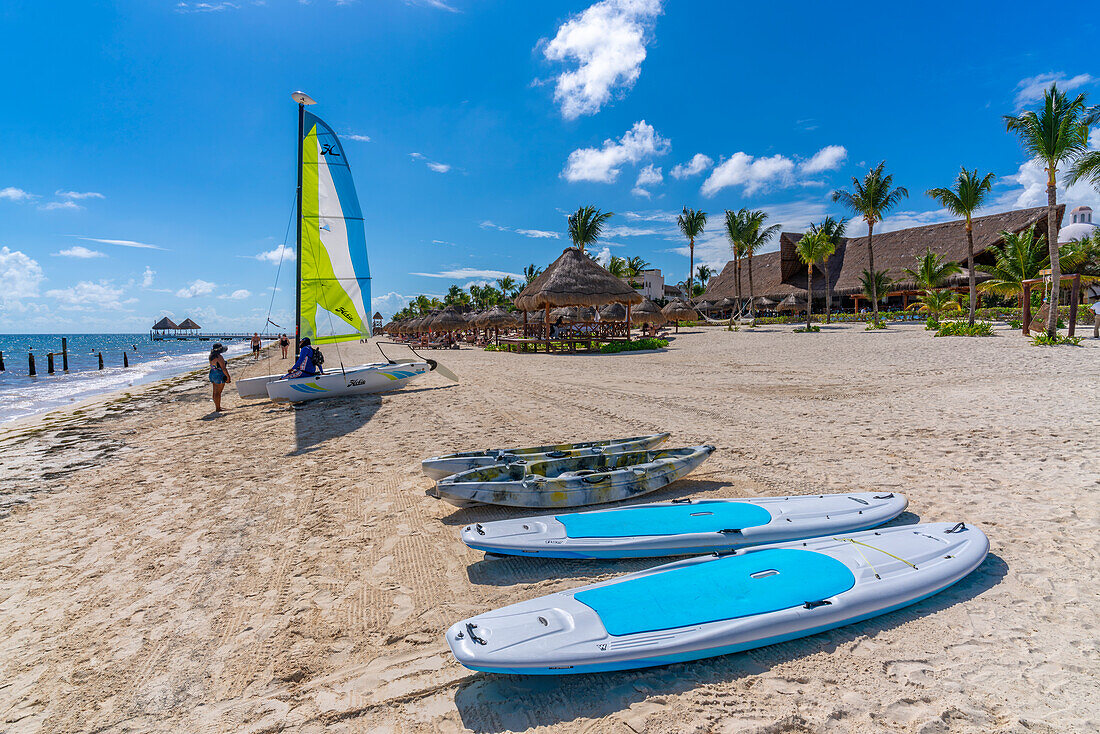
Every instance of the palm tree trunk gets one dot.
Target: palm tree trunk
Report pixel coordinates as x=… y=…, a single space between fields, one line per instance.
x=970 y=269
x=740 y=290
x=752 y=293
x=1055 y=262
x=871 y=268
x=691 y=267
x=828 y=294
x=809 y=295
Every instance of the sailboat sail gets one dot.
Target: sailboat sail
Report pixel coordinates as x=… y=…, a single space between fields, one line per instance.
x=335 y=280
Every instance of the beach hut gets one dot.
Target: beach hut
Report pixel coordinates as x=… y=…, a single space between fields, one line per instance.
x=677 y=311
x=613 y=312
x=449 y=319
x=574 y=279
x=162 y=327
x=188 y=325
x=792 y=303
x=497 y=318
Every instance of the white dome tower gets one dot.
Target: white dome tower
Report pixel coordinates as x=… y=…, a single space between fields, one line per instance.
x=1080 y=225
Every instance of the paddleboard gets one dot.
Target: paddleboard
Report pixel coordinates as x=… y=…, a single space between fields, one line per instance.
x=573 y=481
x=438 y=467
x=365 y=379
x=720 y=604
x=683 y=527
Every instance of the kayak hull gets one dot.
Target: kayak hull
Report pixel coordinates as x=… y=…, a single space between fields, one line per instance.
x=439 y=467
x=362 y=380
x=684 y=527
x=572 y=481
x=714 y=605
x=255 y=387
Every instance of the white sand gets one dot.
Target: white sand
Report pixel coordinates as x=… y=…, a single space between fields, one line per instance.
x=281 y=569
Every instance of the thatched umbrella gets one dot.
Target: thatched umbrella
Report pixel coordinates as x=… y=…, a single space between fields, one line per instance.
x=568 y=313
x=647 y=313
x=496 y=317
x=613 y=312
x=677 y=311
x=792 y=303
x=449 y=319
x=574 y=279
x=584 y=313
x=764 y=302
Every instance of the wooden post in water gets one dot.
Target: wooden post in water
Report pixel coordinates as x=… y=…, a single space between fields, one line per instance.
x=125 y=360
x=101 y=360
x=1 y=361
x=65 y=354
x=30 y=362
x=49 y=363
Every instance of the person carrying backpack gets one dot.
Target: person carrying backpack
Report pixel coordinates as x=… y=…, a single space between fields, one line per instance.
x=309 y=361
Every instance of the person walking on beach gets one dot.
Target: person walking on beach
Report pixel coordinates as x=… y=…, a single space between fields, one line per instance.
x=255 y=344
x=1095 y=318
x=284 y=342
x=219 y=374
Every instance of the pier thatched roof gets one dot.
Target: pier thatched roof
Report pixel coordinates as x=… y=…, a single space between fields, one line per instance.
x=165 y=324
x=188 y=324
x=575 y=279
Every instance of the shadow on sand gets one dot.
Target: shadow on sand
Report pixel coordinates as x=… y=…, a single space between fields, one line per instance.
x=494 y=703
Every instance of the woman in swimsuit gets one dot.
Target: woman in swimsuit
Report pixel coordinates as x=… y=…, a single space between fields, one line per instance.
x=284 y=342
x=219 y=374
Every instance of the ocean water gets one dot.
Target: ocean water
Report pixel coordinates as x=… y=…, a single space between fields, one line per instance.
x=22 y=395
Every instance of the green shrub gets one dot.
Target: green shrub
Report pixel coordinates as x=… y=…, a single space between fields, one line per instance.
x=812 y=329
x=495 y=348
x=931 y=323
x=1016 y=323
x=1042 y=340
x=961 y=328
x=874 y=325
x=633 y=346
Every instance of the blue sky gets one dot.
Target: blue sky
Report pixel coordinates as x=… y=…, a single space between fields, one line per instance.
x=149 y=157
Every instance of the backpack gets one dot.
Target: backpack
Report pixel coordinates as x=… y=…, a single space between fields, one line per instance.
x=317 y=358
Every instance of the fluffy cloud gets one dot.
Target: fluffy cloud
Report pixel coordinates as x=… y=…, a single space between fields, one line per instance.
x=608 y=44
x=460 y=273
x=390 y=303
x=537 y=234
x=77 y=195
x=205 y=7
x=1031 y=89
x=197 y=288
x=52 y=206
x=88 y=296
x=648 y=176
x=694 y=167
x=437 y=4
x=282 y=253
x=603 y=164
x=434 y=165
x=11 y=193
x=20 y=274
x=237 y=295
x=828 y=158
x=356 y=138
x=147 y=277
x=81 y=252
x=603 y=257
x=753 y=174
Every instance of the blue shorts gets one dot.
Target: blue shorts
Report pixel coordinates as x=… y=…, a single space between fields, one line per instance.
x=217 y=376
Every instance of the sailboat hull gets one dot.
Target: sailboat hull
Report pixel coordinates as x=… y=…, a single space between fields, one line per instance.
x=362 y=380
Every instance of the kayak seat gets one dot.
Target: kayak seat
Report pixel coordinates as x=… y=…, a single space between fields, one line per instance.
x=757 y=582
x=697 y=517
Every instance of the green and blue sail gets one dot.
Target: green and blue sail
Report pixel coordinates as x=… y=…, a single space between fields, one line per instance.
x=335 y=275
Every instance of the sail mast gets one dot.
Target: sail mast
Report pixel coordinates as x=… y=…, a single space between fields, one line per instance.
x=302 y=99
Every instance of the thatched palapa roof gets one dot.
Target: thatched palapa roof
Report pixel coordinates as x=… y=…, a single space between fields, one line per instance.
x=449 y=319
x=677 y=310
x=188 y=324
x=498 y=316
x=574 y=279
x=164 y=324
x=613 y=312
x=647 y=312
x=792 y=303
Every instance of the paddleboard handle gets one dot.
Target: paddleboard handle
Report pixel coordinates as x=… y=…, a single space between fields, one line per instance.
x=884 y=496
x=470 y=627
x=682 y=501
x=730 y=531
x=816 y=604
x=957 y=529
x=479 y=529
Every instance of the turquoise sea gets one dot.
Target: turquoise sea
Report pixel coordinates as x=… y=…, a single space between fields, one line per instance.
x=22 y=395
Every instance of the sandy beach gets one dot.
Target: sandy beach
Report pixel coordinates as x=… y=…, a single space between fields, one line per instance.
x=281 y=568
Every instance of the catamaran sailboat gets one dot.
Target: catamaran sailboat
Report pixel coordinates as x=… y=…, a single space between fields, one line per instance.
x=333 y=285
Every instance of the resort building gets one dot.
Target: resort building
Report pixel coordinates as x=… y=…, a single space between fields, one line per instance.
x=1080 y=225
x=650 y=283
x=777 y=275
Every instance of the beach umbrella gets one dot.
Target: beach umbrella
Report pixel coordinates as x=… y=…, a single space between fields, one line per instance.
x=792 y=303
x=565 y=312
x=584 y=313
x=647 y=312
x=613 y=312
x=498 y=316
x=449 y=319
x=575 y=279
x=677 y=311
x=764 y=302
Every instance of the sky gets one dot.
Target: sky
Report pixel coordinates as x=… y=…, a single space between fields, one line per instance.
x=149 y=165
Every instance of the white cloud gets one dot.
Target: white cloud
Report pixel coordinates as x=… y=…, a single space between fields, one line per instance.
x=602 y=165
x=79 y=194
x=538 y=234
x=390 y=303
x=11 y=193
x=89 y=296
x=216 y=7
x=434 y=165
x=460 y=273
x=828 y=158
x=281 y=253
x=66 y=205
x=356 y=138
x=603 y=257
x=607 y=41
x=898 y=220
x=197 y=288
x=20 y=274
x=237 y=295
x=629 y=231
x=437 y=4
x=120 y=243
x=1032 y=88
x=147 y=277
x=694 y=167
x=753 y=174
x=648 y=176
x=79 y=251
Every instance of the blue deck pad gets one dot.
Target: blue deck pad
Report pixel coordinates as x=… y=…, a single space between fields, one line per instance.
x=697 y=517
x=718 y=590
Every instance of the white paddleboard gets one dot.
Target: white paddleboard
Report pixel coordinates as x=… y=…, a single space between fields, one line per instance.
x=255 y=387
x=719 y=604
x=361 y=380
x=684 y=527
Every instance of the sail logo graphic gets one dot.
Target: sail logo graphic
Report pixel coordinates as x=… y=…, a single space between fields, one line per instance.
x=329 y=149
x=343 y=312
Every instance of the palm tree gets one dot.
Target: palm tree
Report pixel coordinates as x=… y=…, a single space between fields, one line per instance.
x=1081 y=256
x=932 y=270
x=967 y=197
x=873 y=284
x=617 y=266
x=814 y=247
x=635 y=266
x=1055 y=134
x=586 y=225
x=737 y=224
x=691 y=224
x=834 y=229
x=454 y=295
x=704 y=273
x=871 y=199
x=507 y=285
x=1019 y=257
x=754 y=237
x=934 y=302
x=531 y=272
x=423 y=304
